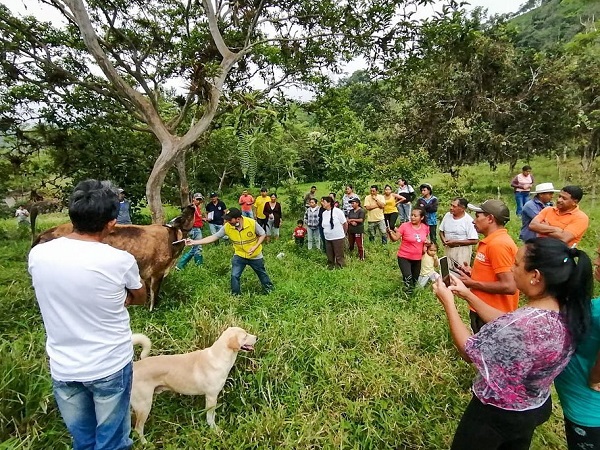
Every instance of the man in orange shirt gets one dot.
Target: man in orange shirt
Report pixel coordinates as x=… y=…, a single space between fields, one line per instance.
x=246 y=201
x=565 y=221
x=491 y=278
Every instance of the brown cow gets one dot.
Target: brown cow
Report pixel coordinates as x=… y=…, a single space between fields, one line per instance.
x=151 y=245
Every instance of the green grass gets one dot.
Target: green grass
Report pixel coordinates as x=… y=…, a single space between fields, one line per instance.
x=344 y=359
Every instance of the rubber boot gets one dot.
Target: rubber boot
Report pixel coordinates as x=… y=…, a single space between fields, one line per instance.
x=198 y=259
x=184 y=260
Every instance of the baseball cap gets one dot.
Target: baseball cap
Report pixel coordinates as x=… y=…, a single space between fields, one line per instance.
x=213 y=195
x=496 y=208
x=354 y=199
x=233 y=213
x=198 y=195
x=120 y=191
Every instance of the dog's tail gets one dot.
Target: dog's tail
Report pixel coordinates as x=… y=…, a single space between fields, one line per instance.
x=142 y=339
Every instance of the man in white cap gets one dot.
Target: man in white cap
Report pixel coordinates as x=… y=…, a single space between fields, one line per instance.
x=543 y=197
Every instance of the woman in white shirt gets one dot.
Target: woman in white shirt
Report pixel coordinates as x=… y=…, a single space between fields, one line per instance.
x=334 y=229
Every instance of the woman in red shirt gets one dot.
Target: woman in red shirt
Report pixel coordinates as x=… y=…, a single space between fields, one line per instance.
x=414 y=237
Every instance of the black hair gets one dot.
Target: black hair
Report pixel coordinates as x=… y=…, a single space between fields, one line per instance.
x=329 y=200
x=461 y=201
x=300 y=222
x=421 y=210
x=263 y=189
x=526 y=168
x=404 y=180
x=273 y=194
x=568 y=278
x=575 y=192
x=387 y=186
x=312 y=198
x=350 y=186
x=92 y=205
x=374 y=186
x=333 y=195
x=313 y=186
x=426 y=186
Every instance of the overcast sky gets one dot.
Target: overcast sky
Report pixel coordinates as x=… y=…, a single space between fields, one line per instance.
x=45 y=12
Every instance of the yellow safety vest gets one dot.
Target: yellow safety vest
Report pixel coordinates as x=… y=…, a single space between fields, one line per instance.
x=244 y=239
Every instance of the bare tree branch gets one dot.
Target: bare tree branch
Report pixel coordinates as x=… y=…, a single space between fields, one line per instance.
x=213 y=26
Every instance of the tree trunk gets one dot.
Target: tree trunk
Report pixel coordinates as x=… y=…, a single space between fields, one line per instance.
x=184 y=187
x=163 y=164
x=222 y=180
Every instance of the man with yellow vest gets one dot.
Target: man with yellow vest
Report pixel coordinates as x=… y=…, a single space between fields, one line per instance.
x=247 y=236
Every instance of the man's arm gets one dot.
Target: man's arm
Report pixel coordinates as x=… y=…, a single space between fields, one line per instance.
x=443 y=237
x=368 y=205
x=460 y=243
x=261 y=237
x=136 y=296
x=550 y=231
x=207 y=240
x=504 y=285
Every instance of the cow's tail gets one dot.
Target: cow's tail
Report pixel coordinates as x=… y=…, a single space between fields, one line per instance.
x=144 y=341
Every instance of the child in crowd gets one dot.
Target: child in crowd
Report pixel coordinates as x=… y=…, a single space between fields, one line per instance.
x=299 y=233
x=429 y=264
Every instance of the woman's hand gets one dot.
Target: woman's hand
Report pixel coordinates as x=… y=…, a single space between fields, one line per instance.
x=445 y=295
x=458 y=287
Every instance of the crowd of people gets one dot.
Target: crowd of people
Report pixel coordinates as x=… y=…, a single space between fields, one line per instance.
x=518 y=352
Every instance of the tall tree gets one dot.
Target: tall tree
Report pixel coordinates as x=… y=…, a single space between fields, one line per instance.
x=130 y=51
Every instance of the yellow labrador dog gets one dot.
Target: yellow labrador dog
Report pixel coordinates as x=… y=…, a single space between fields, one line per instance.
x=202 y=372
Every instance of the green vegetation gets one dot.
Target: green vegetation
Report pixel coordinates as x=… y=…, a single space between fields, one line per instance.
x=555 y=22
x=344 y=359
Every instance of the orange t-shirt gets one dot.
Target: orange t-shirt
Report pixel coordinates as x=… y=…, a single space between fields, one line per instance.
x=246 y=202
x=574 y=221
x=495 y=254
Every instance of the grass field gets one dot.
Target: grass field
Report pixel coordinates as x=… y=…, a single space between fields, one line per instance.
x=344 y=359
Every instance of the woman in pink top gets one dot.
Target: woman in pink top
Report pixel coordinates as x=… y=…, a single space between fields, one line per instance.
x=414 y=237
x=522 y=183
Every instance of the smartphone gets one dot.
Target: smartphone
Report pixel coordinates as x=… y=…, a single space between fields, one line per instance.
x=444 y=270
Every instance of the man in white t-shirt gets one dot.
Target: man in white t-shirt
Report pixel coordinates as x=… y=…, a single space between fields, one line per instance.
x=458 y=233
x=83 y=287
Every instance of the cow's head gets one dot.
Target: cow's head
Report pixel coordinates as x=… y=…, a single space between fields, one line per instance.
x=185 y=221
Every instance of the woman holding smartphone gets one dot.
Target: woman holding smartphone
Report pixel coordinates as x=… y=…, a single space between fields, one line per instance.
x=518 y=354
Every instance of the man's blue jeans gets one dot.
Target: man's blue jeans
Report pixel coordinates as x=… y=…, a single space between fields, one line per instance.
x=238 y=264
x=214 y=228
x=248 y=214
x=97 y=412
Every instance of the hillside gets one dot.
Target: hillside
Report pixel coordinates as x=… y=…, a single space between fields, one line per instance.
x=555 y=22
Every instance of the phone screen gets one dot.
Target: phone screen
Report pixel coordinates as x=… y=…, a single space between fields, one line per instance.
x=444 y=270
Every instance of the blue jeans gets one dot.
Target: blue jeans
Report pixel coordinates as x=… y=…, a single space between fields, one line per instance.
x=520 y=199
x=195 y=252
x=248 y=214
x=238 y=264
x=404 y=211
x=97 y=412
x=214 y=228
